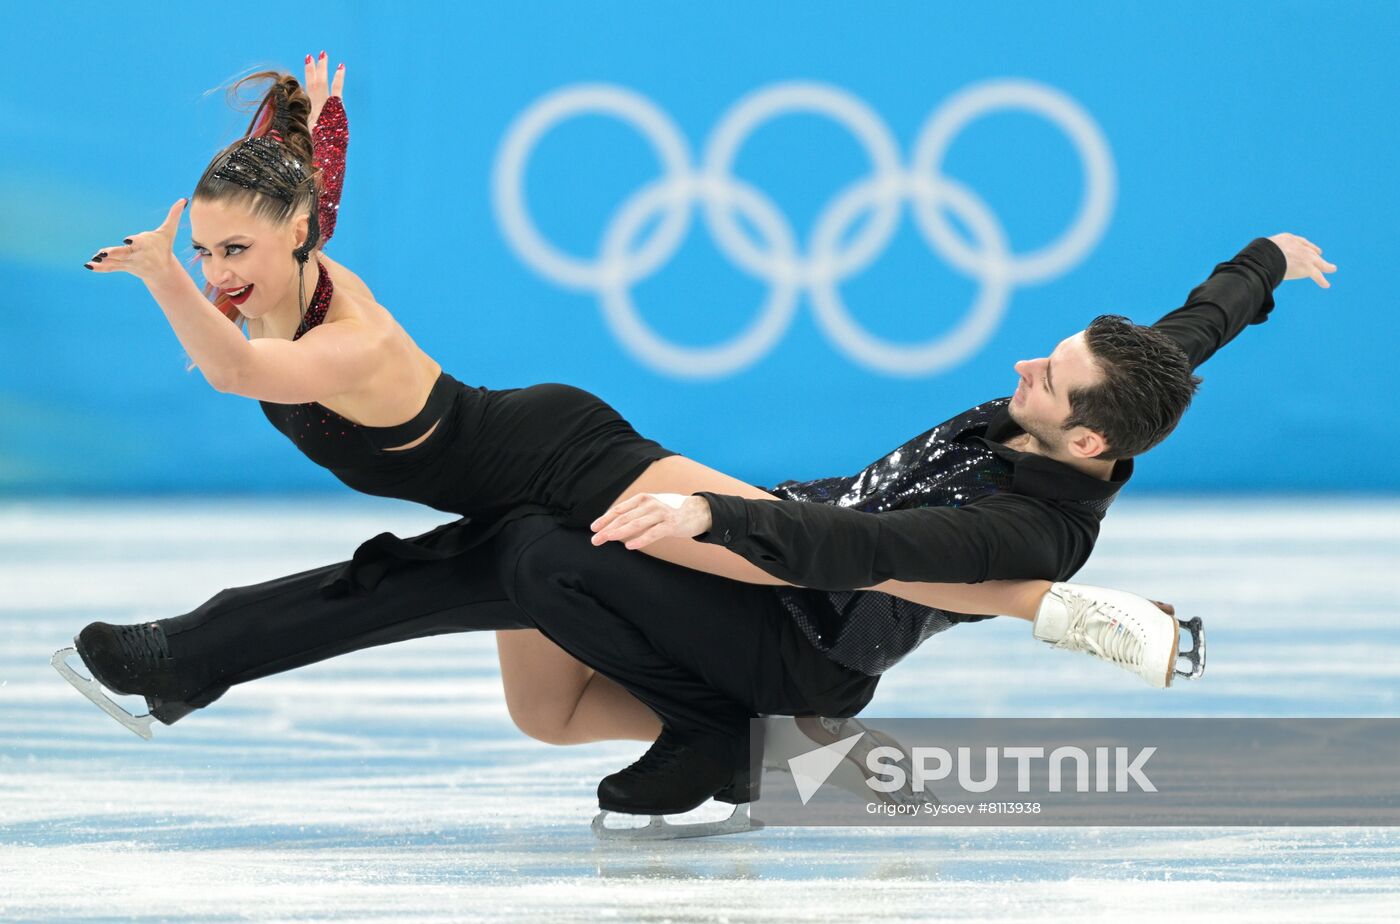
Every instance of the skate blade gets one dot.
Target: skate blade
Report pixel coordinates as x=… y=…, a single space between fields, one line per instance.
x=1196 y=657
x=139 y=724
x=659 y=829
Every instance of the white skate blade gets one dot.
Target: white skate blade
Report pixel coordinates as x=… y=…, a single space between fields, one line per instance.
x=659 y=829
x=140 y=724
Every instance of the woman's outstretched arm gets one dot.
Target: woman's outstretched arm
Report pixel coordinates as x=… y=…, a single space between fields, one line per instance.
x=215 y=345
x=330 y=138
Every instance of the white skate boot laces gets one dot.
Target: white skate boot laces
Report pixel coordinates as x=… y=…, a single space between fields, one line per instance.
x=1120 y=628
x=1104 y=630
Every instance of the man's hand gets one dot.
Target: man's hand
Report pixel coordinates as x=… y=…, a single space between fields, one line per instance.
x=1304 y=259
x=644 y=518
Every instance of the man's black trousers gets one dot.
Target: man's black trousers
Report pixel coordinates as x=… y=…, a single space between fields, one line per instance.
x=705 y=653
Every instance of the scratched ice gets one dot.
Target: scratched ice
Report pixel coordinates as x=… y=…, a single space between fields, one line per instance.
x=391 y=785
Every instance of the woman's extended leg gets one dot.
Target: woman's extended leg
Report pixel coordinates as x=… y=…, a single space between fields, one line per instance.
x=244 y=633
x=679 y=475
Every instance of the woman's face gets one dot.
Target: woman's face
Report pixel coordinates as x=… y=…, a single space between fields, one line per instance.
x=237 y=249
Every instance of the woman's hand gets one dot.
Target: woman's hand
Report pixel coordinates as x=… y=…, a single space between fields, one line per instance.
x=317 y=87
x=148 y=256
x=644 y=518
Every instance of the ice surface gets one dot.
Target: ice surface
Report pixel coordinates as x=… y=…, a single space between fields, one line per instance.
x=390 y=784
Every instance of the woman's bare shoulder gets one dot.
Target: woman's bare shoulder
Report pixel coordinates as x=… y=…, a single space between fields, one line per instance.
x=352 y=298
x=345 y=277
x=359 y=302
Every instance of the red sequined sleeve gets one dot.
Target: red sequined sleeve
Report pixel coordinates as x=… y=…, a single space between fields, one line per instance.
x=330 y=137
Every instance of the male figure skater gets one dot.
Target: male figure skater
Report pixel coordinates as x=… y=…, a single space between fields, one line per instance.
x=701 y=656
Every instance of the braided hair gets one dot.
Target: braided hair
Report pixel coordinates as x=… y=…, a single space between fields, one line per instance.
x=270 y=170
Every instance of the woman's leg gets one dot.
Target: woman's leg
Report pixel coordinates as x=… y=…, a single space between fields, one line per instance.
x=679 y=475
x=244 y=633
x=556 y=699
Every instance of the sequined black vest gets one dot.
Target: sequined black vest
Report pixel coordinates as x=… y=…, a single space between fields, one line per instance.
x=869 y=631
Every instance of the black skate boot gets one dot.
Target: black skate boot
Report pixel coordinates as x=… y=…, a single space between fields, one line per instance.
x=676 y=775
x=135 y=661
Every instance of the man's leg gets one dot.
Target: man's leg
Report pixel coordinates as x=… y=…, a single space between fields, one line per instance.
x=690 y=645
x=704 y=653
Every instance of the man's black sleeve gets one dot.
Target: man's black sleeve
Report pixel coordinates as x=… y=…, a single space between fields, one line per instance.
x=1238 y=293
x=835 y=548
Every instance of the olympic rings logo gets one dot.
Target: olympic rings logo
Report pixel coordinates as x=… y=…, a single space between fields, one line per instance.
x=829 y=257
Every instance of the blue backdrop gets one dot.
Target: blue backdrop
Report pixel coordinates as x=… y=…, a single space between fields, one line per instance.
x=780 y=238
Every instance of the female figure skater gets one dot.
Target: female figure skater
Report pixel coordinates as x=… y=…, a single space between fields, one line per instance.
x=335 y=373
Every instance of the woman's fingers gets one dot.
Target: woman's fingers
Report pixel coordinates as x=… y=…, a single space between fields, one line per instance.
x=317 y=81
x=172 y=219
x=111 y=262
x=323 y=79
x=109 y=258
x=117 y=253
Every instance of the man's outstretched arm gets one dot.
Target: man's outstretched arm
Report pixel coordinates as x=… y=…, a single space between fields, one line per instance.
x=1240 y=292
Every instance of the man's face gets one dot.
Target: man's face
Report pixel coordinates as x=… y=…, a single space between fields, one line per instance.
x=1040 y=405
x=236 y=249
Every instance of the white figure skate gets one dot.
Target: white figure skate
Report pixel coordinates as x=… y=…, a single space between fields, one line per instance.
x=1133 y=632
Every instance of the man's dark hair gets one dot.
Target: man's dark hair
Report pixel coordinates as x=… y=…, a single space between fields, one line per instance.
x=1147 y=386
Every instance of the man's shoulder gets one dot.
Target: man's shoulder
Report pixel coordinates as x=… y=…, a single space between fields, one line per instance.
x=1080 y=512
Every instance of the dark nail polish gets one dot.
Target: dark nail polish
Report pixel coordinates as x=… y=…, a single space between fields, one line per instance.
x=126 y=240
x=87 y=266
x=102 y=253
x=96 y=259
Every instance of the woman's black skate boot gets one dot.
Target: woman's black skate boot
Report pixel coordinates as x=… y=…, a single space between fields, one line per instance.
x=135 y=660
